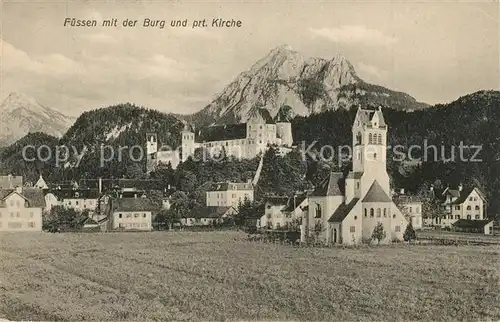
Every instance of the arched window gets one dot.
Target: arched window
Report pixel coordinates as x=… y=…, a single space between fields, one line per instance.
x=374 y=156
x=366 y=212
x=477 y=207
x=385 y=212
x=358 y=138
x=379 y=140
x=371 y=212
x=469 y=208
x=378 y=213
x=370 y=139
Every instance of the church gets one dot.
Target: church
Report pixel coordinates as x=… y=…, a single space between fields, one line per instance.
x=346 y=209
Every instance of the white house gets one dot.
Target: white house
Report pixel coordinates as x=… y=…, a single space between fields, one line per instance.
x=347 y=209
x=21 y=209
x=226 y=194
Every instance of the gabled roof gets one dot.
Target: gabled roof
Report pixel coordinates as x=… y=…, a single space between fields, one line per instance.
x=469 y=223
x=33 y=196
x=342 y=211
x=134 y=204
x=76 y=193
x=41 y=184
x=466 y=193
x=331 y=186
x=381 y=120
x=376 y=194
x=208 y=212
x=453 y=192
x=293 y=204
x=222 y=133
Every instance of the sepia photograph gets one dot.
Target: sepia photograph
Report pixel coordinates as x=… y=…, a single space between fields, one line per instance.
x=181 y=160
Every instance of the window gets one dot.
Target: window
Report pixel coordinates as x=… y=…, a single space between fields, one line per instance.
x=468 y=217
x=385 y=212
x=470 y=199
x=393 y=216
x=477 y=207
x=31 y=224
x=12 y=203
x=18 y=204
x=143 y=215
x=397 y=229
x=136 y=215
x=18 y=214
x=457 y=216
x=411 y=209
x=76 y=202
x=370 y=139
x=358 y=138
x=372 y=212
x=417 y=210
x=318 y=211
x=366 y=212
x=352 y=229
x=374 y=156
x=12 y=215
x=129 y=215
x=355 y=217
x=379 y=214
x=379 y=139
x=457 y=207
x=357 y=185
x=477 y=216
x=119 y=215
x=469 y=207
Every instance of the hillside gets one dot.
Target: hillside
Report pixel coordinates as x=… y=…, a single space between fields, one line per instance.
x=123 y=125
x=309 y=85
x=20 y=115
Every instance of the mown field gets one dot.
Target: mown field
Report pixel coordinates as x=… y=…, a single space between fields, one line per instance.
x=220 y=276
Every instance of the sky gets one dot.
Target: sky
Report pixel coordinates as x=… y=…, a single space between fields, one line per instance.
x=434 y=51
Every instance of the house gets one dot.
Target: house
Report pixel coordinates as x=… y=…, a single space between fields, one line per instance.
x=243 y=140
x=76 y=198
x=411 y=207
x=130 y=213
x=474 y=226
x=346 y=209
x=225 y=194
x=284 y=212
x=21 y=209
x=462 y=203
x=273 y=216
x=206 y=216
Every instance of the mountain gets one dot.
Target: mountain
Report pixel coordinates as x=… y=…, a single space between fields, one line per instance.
x=20 y=114
x=308 y=85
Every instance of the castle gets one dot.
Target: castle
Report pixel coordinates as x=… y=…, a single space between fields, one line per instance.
x=346 y=209
x=243 y=140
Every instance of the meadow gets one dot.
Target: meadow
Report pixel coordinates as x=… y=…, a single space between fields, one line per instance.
x=221 y=276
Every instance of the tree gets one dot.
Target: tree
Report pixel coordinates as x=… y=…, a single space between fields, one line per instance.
x=180 y=204
x=167 y=218
x=62 y=218
x=409 y=233
x=134 y=171
x=246 y=209
x=379 y=232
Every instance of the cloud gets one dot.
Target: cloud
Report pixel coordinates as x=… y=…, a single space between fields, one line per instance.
x=371 y=72
x=100 y=38
x=355 y=34
x=53 y=64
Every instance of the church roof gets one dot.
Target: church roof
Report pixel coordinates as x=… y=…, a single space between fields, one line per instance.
x=376 y=194
x=331 y=186
x=342 y=211
x=381 y=120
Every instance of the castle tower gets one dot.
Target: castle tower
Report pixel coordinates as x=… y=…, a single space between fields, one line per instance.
x=187 y=143
x=151 y=150
x=284 y=126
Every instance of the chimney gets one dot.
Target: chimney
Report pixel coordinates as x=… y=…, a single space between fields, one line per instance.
x=460 y=187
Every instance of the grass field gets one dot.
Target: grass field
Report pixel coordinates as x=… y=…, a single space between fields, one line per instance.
x=220 y=276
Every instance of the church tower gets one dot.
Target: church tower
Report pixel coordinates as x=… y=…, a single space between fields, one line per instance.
x=151 y=150
x=369 y=146
x=187 y=143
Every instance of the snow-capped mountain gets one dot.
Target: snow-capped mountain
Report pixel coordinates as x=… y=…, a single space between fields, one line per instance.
x=20 y=115
x=308 y=85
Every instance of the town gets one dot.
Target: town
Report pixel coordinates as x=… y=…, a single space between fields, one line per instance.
x=344 y=209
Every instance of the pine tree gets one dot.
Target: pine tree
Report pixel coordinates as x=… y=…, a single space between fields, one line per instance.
x=409 y=233
x=379 y=232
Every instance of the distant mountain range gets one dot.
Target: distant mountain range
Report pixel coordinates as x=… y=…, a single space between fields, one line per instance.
x=308 y=85
x=20 y=115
